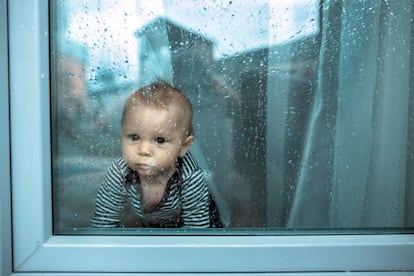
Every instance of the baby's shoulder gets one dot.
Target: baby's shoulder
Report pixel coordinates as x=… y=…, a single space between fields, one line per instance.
x=192 y=175
x=116 y=175
x=119 y=166
x=189 y=165
x=119 y=161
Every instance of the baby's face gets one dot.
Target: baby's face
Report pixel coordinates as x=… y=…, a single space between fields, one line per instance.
x=153 y=139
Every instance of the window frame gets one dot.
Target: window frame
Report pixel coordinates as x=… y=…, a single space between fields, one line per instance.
x=5 y=210
x=36 y=249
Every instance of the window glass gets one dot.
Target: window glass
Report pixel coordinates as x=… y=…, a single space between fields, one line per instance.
x=301 y=109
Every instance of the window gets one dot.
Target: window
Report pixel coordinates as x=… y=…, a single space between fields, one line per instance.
x=37 y=249
x=104 y=50
x=283 y=143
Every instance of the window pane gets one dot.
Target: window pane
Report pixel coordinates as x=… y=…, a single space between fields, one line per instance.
x=301 y=109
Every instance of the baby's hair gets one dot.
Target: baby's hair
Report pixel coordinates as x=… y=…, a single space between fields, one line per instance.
x=160 y=94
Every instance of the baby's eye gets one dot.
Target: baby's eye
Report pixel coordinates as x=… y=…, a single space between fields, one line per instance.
x=160 y=140
x=133 y=137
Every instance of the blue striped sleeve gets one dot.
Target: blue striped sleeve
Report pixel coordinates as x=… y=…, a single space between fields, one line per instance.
x=111 y=197
x=194 y=196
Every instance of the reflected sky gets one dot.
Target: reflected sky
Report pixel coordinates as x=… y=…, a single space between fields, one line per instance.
x=107 y=27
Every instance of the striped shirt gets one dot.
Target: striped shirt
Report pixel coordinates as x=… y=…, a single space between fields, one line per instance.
x=185 y=202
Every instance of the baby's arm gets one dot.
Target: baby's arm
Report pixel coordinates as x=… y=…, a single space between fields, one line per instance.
x=110 y=199
x=195 y=201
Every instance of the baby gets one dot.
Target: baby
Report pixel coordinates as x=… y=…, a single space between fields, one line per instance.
x=156 y=173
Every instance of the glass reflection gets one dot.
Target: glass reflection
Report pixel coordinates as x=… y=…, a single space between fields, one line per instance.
x=272 y=94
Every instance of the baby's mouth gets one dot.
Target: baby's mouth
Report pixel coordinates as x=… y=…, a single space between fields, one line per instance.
x=143 y=167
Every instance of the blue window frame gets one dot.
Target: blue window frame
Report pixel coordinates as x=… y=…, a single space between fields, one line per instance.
x=5 y=190
x=29 y=246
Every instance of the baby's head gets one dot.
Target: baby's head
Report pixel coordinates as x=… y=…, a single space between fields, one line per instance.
x=162 y=96
x=156 y=129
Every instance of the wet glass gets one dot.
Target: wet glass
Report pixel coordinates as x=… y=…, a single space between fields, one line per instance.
x=295 y=127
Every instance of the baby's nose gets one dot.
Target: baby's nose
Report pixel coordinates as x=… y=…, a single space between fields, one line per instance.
x=145 y=148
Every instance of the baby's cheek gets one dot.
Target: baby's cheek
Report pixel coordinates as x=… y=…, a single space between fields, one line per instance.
x=127 y=157
x=130 y=163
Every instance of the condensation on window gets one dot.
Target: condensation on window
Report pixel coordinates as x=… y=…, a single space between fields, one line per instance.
x=292 y=109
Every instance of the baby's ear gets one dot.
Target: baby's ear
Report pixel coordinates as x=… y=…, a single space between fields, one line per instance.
x=186 y=145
